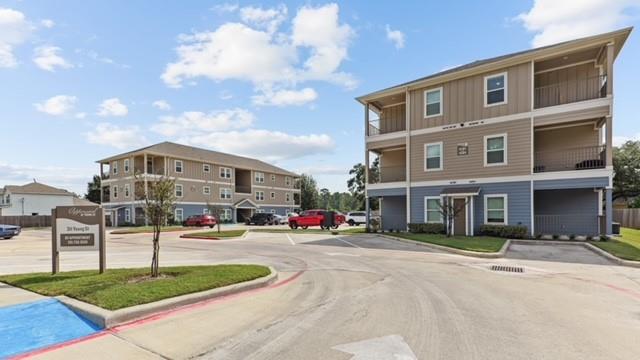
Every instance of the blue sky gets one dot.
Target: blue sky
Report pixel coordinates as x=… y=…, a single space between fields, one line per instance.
x=83 y=80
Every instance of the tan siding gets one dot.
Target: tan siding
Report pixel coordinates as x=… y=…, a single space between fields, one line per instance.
x=566 y=138
x=392 y=119
x=376 y=145
x=472 y=165
x=463 y=99
x=567 y=85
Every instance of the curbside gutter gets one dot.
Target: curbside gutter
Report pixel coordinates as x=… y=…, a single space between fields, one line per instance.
x=108 y=318
x=485 y=255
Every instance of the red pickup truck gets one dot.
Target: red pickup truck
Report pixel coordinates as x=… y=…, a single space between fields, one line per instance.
x=314 y=218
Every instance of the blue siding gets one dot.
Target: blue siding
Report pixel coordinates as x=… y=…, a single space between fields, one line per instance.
x=518 y=201
x=573 y=211
x=598 y=182
x=387 y=192
x=394 y=213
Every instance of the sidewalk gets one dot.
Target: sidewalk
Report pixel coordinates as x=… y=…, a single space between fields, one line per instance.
x=10 y=295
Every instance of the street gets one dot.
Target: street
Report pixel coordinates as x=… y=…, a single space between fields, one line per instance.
x=363 y=297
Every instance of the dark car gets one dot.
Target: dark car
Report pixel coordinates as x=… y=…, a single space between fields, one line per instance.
x=9 y=231
x=261 y=219
x=200 y=220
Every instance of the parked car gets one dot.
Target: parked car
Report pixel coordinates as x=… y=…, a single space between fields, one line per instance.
x=9 y=231
x=200 y=220
x=280 y=220
x=261 y=219
x=356 y=218
x=314 y=218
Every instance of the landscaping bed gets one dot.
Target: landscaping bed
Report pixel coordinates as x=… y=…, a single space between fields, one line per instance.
x=470 y=243
x=625 y=247
x=215 y=235
x=149 y=229
x=121 y=288
x=349 y=230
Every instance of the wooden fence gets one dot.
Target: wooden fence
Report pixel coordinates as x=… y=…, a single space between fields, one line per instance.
x=627 y=217
x=27 y=220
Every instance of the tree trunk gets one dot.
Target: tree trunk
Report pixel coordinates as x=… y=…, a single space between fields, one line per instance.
x=155 y=261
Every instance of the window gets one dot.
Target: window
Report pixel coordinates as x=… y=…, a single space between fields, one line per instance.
x=115 y=191
x=127 y=215
x=259 y=177
x=225 y=193
x=495 y=210
x=226 y=214
x=225 y=173
x=178 y=190
x=433 y=102
x=206 y=190
x=273 y=195
x=432 y=212
x=273 y=211
x=287 y=197
x=259 y=211
x=433 y=156
x=178 y=215
x=127 y=188
x=273 y=178
x=495 y=150
x=205 y=211
x=126 y=165
x=287 y=181
x=495 y=89
x=178 y=166
x=206 y=168
x=260 y=195
x=114 y=166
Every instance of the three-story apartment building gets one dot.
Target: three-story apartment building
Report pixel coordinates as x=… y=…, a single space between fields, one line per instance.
x=520 y=139
x=205 y=180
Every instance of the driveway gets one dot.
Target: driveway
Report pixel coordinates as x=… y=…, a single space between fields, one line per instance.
x=559 y=253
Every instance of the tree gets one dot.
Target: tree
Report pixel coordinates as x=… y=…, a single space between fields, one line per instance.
x=449 y=211
x=308 y=192
x=159 y=202
x=325 y=198
x=626 y=169
x=356 y=183
x=93 y=190
x=217 y=211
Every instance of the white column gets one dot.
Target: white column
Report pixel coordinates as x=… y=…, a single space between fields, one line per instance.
x=472 y=218
x=407 y=151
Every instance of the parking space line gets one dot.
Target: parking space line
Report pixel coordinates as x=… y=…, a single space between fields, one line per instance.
x=349 y=243
x=290 y=239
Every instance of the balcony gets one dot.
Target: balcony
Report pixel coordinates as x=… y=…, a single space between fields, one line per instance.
x=243 y=189
x=387 y=174
x=565 y=92
x=578 y=158
x=567 y=224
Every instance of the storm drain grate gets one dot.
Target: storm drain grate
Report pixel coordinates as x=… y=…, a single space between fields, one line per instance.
x=507 y=268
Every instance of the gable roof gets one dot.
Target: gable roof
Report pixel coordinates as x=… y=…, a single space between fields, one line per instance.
x=36 y=188
x=198 y=154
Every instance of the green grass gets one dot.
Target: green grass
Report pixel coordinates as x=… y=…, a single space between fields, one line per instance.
x=112 y=290
x=221 y=234
x=147 y=229
x=471 y=243
x=625 y=247
x=349 y=230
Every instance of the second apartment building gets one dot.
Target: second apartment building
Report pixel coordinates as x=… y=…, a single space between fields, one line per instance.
x=206 y=180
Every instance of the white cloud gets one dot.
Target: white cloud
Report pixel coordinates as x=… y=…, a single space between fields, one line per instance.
x=222 y=54
x=396 y=37
x=48 y=23
x=195 y=122
x=119 y=137
x=71 y=179
x=14 y=30
x=225 y=8
x=161 y=105
x=112 y=107
x=226 y=95
x=285 y=97
x=324 y=170
x=81 y=115
x=103 y=59
x=555 y=21
x=57 y=105
x=47 y=58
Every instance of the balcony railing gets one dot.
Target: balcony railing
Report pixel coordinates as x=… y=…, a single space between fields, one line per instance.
x=374 y=127
x=385 y=126
x=579 y=158
x=243 y=189
x=566 y=224
x=570 y=91
x=386 y=174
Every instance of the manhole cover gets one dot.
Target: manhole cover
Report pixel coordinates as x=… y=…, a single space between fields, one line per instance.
x=507 y=268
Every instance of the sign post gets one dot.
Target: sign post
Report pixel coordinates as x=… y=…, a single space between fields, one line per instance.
x=78 y=228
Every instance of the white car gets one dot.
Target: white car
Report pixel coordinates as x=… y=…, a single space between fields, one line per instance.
x=356 y=218
x=280 y=220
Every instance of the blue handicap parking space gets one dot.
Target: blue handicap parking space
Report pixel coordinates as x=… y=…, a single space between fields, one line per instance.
x=30 y=326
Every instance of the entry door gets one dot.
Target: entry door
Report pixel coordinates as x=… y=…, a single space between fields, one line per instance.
x=460 y=221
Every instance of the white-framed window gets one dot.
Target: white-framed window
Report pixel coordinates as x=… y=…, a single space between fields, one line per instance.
x=114 y=167
x=205 y=211
x=127 y=190
x=495 y=89
x=225 y=173
x=273 y=211
x=432 y=213
x=179 y=215
x=206 y=168
x=287 y=197
x=127 y=215
x=259 y=211
x=178 y=190
x=433 y=156
x=495 y=150
x=496 y=209
x=259 y=177
x=287 y=180
x=273 y=195
x=126 y=165
x=273 y=178
x=433 y=102
x=226 y=214
x=178 y=165
x=225 y=193
x=260 y=195
x=206 y=190
x=115 y=191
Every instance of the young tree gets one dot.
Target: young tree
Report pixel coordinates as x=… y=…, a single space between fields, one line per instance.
x=93 y=190
x=449 y=211
x=325 y=198
x=626 y=169
x=308 y=192
x=159 y=202
x=356 y=183
x=217 y=211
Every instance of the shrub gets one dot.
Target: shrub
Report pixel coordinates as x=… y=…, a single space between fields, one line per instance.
x=505 y=231
x=428 y=228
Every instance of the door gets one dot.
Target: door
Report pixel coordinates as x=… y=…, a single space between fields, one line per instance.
x=460 y=220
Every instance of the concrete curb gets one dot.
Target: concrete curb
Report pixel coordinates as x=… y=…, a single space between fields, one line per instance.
x=108 y=319
x=484 y=255
x=585 y=245
x=188 y=236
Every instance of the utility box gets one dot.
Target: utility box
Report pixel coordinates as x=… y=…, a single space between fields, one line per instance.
x=615 y=228
x=328 y=219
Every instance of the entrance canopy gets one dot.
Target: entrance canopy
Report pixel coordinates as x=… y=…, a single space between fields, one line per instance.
x=245 y=204
x=460 y=191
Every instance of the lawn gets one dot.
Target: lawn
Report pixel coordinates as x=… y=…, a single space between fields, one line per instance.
x=221 y=234
x=118 y=288
x=148 y=229
x=625 y=247
x=347 y=230
x=471 y=243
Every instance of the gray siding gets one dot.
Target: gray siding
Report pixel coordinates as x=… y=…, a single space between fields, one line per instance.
x=387 y=192
x=598 y=182
x=566 y=211
x=394 y=213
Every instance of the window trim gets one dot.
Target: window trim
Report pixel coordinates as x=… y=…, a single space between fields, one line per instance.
x=287 y=180
x=505 y=88
x=225 y=190
x=205 y=211
x=204 y=192
x=287 y=197
x=256 y=195
x=223 y=169
x=273 y=177
x=127 y=190
x=504 y=149
x=206 y=166
x=175 y=190
x=441 y=101
x=505 y=198
x=272 y=195
x=114 y=191
x=426 y=218
x=255 y=177
x=441 y=144
x=127 y=215
x=175 y=214
x=114 y=167
x=175 y=166
x=126 y=166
